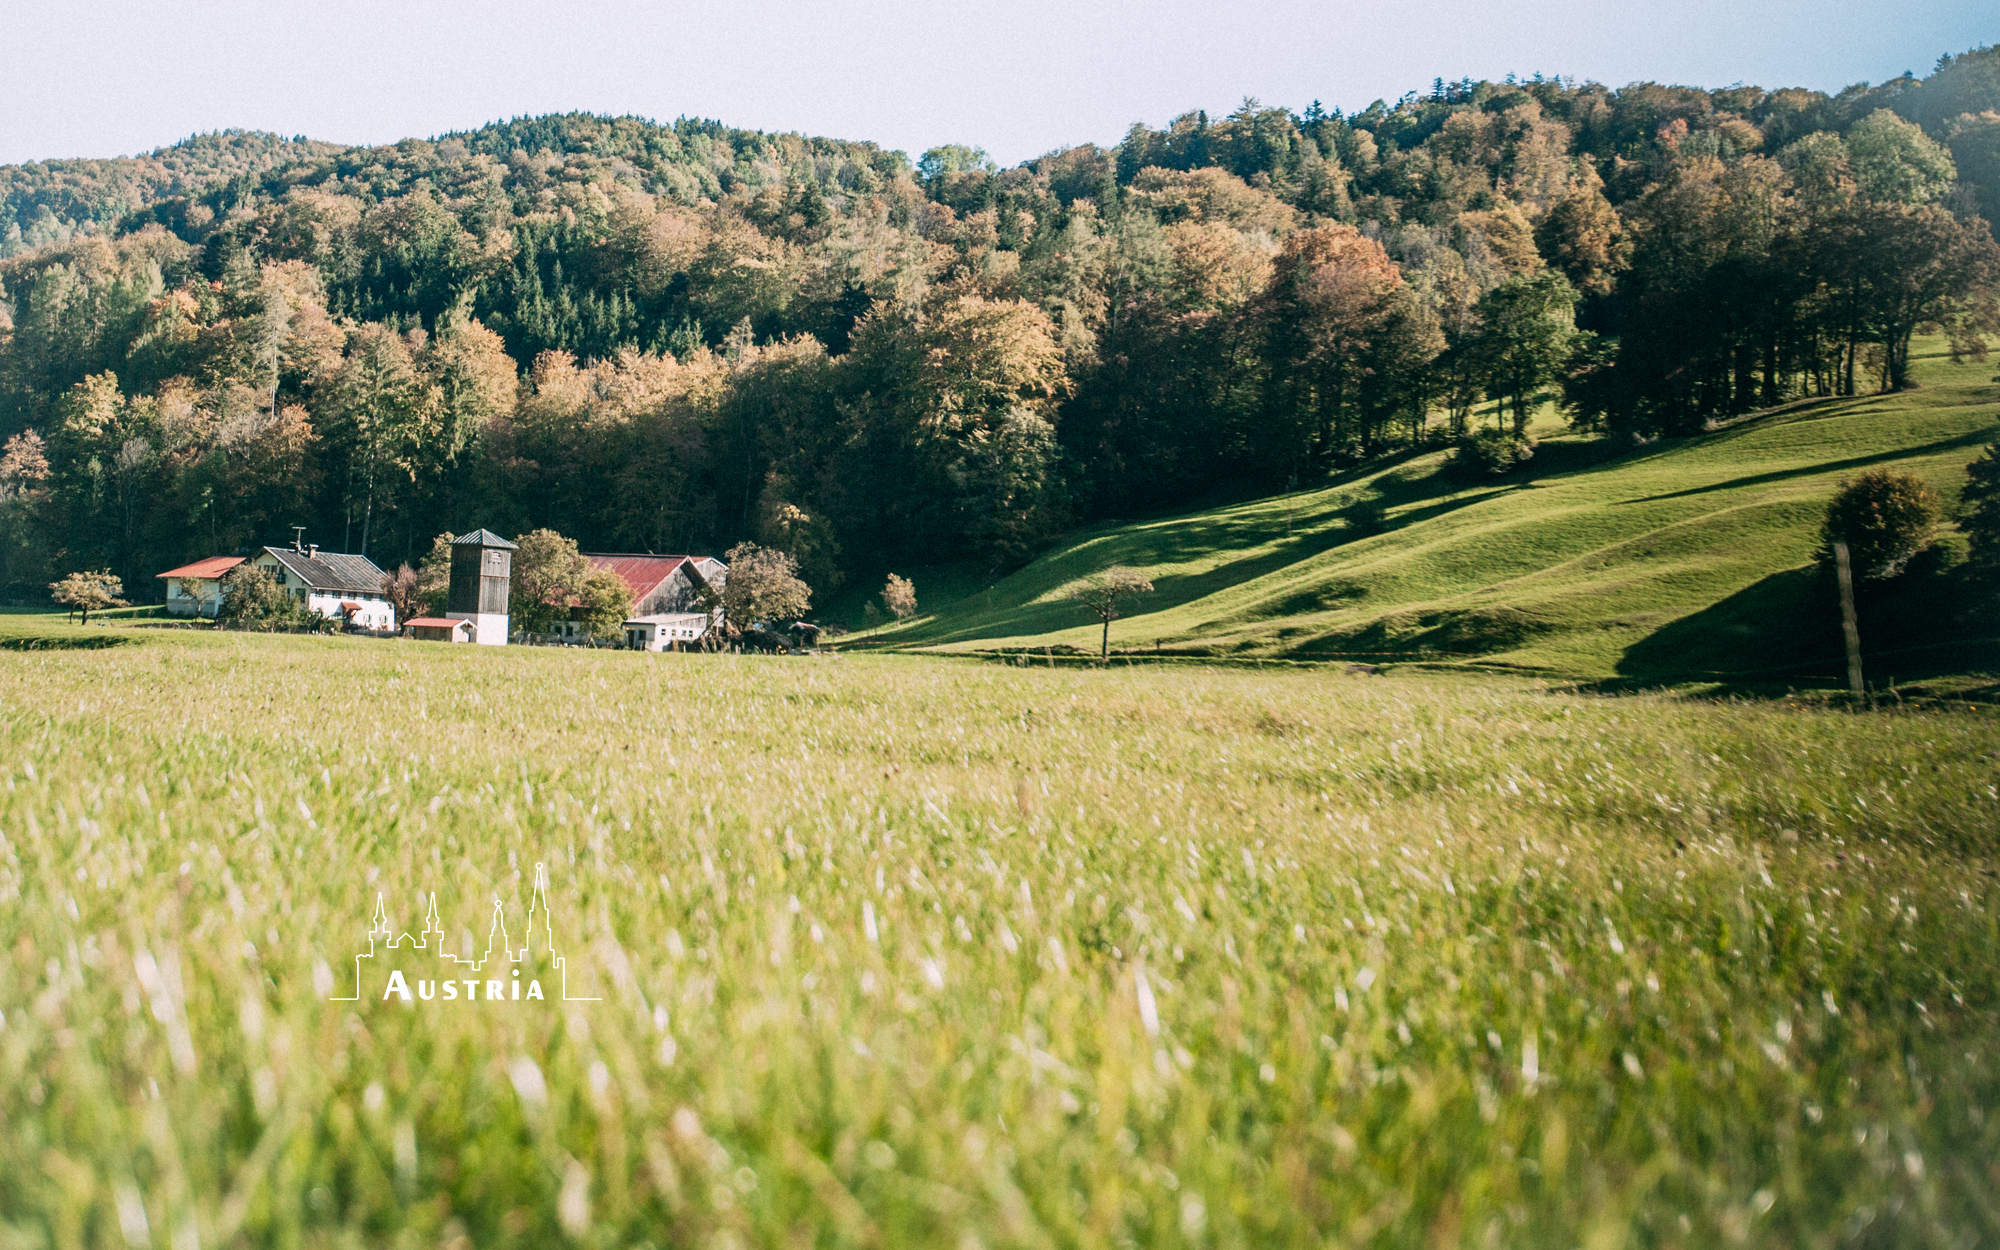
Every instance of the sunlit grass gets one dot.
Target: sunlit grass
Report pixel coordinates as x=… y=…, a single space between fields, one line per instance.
x=914 y=952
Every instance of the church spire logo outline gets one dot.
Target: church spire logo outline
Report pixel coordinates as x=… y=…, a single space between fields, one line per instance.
x=382 y=938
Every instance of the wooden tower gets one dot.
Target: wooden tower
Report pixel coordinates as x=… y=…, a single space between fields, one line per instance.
x=482 y=563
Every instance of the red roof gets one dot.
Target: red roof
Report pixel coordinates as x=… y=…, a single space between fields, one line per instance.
x=213 y=567
x=434 y=622
x=642 y=574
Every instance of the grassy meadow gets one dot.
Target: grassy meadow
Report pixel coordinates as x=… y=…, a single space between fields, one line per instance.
x=908 y=951
x=1683 y=561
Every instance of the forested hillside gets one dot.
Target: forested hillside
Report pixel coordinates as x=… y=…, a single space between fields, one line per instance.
x=672 y=337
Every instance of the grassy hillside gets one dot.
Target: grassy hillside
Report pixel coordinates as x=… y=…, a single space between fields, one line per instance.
x=1686 y=560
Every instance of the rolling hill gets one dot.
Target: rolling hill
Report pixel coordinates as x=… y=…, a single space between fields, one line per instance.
x=1682 y=561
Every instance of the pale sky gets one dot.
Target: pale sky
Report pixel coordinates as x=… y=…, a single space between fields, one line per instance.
x=1019 y=78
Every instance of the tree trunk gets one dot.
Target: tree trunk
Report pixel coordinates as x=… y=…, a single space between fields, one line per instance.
x=1104 y=650
x=368 y=512
x=1896 y=346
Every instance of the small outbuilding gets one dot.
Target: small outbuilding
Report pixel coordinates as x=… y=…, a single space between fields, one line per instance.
x=440 y=629
x=666 y=631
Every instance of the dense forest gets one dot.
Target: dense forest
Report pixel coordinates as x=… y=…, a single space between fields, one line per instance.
x=656 y=337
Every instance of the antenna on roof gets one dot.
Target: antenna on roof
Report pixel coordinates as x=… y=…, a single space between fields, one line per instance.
x=298 y=538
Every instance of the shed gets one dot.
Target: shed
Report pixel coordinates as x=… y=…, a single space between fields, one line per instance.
x=441 y=629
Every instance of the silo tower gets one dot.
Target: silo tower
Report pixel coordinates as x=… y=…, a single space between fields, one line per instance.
x=482 y=562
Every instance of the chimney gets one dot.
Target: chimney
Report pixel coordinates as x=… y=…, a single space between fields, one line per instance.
x=312 y=551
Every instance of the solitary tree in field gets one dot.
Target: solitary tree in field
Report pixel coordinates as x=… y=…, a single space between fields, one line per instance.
x=1106 y=593
x=900 y=597
x=89 y=592
x=763 y=585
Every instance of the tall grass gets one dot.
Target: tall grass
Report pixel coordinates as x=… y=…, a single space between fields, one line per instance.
x=906 y=952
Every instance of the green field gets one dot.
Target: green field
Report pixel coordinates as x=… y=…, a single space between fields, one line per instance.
x=908 y=951
x=1684 y=561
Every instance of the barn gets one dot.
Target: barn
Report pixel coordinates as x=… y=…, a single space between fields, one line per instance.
x=660 y=585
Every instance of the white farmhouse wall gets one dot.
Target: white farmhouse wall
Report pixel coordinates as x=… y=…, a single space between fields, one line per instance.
x=193 y=596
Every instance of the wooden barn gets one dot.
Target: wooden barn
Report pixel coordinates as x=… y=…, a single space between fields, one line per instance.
x=660 y=585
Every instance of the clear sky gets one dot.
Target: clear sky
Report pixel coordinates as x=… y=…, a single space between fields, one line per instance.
x=1017 y=77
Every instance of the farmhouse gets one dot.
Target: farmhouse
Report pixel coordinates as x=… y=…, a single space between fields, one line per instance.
x=660 y=586
x=665 y=631
x=345 y=587
x=196 y=589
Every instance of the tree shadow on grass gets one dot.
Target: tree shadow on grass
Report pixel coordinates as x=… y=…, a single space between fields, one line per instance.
x=1771 y=634
x=1783 y=633
x=64 y=642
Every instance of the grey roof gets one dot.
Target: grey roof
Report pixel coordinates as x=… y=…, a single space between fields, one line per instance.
x=484 y=538
x=331 y=570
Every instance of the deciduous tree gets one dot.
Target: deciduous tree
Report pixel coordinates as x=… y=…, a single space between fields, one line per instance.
x=1105 y=594
x=1526 y=326
x=88 y=592
x=763 y=585
x=548 y=577
x=1981 y=516
x=899 y=596
x=604 y=602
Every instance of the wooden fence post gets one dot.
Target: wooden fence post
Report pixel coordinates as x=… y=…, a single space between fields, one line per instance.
x=1848 y=623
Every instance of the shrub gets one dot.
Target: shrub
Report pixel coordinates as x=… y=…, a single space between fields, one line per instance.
x=1885 y=518
x=1490 y=453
